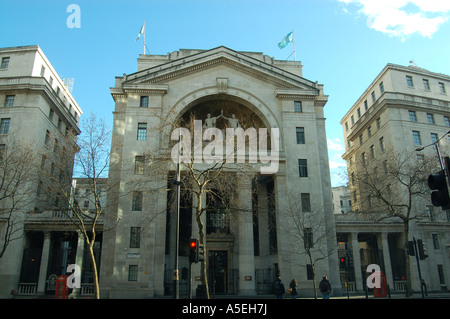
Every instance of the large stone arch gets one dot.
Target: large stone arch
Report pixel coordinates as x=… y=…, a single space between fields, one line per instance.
x=242 y=97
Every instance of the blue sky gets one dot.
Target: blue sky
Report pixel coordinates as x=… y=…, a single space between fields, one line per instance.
x=342 y=44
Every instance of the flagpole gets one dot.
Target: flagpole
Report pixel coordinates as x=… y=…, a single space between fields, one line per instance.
x=144 y=37
x=293 y=40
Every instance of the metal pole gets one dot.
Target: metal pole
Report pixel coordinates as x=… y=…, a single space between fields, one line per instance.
x=418 y=265
x=176 y=277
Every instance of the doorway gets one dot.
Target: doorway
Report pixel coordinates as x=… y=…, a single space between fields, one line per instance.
x=218 y=272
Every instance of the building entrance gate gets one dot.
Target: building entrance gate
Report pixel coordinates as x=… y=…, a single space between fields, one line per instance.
x=218 y=272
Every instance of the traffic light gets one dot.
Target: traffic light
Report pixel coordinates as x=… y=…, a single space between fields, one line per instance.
x=343 y=263
x=422 y=249
x=438 y=183
x=201 y=252
x=411 y=248
x=193 y=251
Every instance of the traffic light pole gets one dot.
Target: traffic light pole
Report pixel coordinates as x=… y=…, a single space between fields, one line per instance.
x=418 y=266
x=176 y=276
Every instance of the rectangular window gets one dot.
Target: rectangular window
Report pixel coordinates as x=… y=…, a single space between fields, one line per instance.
x=2 y=151
x=382 y=87
x=298 y=106
x=416 y=136
x=381 y=144
x=132 y=272
x=378 y=123
x=358 y=111
x=447 y=121
x=441 y=274
x=372 y=152
x=412 y=116
x=47 y=137
x=302 y=168
x=369 y=131
x=142 y=132
x=434 y=137
x=300 y=132
x=426 y=84
x=409 y=81
x=135 y=237
x=435 y=241
x=442 y=87
x=373 y=96
x=352 y=119
x=50 y=114
x=137 y=201
x=308 y=238
x=4 y=126
x=306 y=202
x=42 y=71
x=309 y=272
x=430 y=118
x=5 y=63
x=139 y=166
x=144 y=101
x=366 y=106
x=9 y=100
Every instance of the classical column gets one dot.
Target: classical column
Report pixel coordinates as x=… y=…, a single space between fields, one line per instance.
x=357 y=262
x=246 y=249
x=387 y=260
x=79 y=261
x=44 y=263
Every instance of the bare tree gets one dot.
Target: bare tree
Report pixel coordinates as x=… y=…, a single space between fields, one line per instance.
x=91 y=152
x=213 y=180
x=307 y=231
x=392 y=188
x=17 y=188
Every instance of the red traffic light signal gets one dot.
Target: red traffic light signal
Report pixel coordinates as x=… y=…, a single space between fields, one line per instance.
x=193 y=251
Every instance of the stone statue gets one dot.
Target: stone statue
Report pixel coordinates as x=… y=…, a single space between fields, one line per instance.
x=232 y=121
x=210 y=122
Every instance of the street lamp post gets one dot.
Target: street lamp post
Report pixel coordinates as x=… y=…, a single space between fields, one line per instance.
x=436 y=146
x=176 y=276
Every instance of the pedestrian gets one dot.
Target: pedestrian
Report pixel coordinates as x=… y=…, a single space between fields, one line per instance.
x=278 y=288
x=293 y=288
x=325 y=287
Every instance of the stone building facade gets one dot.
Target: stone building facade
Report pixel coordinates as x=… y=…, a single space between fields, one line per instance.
x=404 y=111
x=244 y=255
x=36 y=110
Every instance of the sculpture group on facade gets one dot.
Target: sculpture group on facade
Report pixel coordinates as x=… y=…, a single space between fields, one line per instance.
x=210 y=122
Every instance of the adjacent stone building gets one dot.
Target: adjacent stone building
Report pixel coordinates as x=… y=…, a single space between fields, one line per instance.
x=37 y=110
x=404 y=111
x=245 y=254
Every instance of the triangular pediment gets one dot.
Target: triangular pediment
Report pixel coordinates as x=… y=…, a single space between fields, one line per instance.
x=162 y=73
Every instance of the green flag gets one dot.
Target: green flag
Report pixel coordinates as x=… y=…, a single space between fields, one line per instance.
x=288 y=38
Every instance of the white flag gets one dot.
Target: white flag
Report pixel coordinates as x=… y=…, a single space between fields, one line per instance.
x=141 y=32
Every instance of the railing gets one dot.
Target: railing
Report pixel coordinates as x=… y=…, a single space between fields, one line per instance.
x=351 y=286
x=87 y=289
x=400 y=285
x=27 y=289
